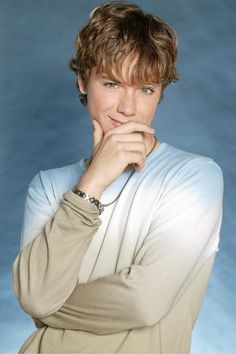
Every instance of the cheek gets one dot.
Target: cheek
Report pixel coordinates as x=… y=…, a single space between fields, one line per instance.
x=94 y=103
x=99 y=102
x=148 y=110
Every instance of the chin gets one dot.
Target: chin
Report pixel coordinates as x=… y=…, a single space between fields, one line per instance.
x=107 y=129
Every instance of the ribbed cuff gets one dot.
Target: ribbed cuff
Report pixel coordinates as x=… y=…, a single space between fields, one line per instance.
x=82 y=206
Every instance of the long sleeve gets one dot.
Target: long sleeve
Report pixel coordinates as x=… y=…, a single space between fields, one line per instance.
x=185 y=227
x=46 y=270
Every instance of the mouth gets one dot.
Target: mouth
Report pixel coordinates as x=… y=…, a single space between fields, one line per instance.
x=116 y=122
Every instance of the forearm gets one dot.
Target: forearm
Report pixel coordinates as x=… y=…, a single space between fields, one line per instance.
x=46 y=270
x=106 y=305
x=89 y=185
x=110 y=305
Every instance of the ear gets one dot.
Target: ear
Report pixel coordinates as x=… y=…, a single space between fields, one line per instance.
x=81 y=85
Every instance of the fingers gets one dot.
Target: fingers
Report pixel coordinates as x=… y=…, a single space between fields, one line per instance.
x=130 y=127
x=134 y=137
x=136 y=158
x=132 y=147
x=97 y=133
x=124 y=143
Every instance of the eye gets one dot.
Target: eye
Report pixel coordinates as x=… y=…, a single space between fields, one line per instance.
x=147 y=90
x=111 y=84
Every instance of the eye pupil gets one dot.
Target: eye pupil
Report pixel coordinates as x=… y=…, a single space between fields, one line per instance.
x=110 y=84
x=147 y=90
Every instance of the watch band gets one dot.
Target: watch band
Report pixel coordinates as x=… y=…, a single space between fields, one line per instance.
x=89 y=198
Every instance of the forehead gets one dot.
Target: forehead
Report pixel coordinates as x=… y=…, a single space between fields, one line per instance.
x=131 y=71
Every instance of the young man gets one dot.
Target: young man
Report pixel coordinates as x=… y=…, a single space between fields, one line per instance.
x=117 y=249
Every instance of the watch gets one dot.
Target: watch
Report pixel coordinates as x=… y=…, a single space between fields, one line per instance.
x=89 y=198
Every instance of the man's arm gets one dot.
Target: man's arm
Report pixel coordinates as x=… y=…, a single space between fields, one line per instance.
x=185 y=230
x=46 y=270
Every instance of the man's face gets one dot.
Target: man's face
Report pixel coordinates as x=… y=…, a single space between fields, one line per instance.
x=113 y=103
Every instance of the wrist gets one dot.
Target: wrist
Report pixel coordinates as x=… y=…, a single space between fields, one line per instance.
x=89 y=198
x=89 y=186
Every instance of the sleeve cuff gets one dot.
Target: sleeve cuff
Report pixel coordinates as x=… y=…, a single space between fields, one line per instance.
x=82 y=206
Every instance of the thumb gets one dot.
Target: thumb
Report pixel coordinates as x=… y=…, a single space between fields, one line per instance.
x=97 y=133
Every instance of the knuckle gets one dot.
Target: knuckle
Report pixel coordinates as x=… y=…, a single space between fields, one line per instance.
x=131 y=122
x=107 y=133
x=142 y=156
x=119 y=146
x=112 y=137
x=122 y=155
x=140 y=137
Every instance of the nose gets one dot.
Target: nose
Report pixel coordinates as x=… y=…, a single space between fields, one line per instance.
x=127 y=105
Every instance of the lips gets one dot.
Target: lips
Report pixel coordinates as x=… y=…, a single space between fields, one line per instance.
x=117 y=122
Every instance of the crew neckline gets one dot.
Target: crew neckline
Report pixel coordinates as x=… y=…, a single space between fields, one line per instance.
x=156 y=151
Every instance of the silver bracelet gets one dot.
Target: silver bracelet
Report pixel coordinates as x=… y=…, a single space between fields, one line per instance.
x=89 y=198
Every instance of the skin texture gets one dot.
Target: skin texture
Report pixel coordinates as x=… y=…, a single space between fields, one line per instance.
x=122 y=115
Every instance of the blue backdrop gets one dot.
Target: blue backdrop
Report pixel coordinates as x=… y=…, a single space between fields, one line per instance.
x=42 y=126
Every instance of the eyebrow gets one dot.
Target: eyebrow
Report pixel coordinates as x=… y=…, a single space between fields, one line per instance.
x=105 y=76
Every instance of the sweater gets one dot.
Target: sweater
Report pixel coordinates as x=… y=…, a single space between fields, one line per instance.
x=131 y=280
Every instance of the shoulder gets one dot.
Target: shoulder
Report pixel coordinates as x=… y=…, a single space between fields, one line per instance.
x=52 y=183
x=203 y=178
x=60 y=175
x=191 y=175
x=181 y=164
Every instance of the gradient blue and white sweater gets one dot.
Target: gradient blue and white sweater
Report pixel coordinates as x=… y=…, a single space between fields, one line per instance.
x=142 y=278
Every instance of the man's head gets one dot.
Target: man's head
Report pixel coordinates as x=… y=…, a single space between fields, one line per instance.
x=120 y=30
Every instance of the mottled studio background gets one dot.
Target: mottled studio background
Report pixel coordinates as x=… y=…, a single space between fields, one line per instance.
x=42 y=126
